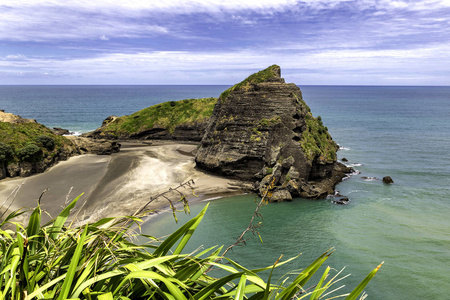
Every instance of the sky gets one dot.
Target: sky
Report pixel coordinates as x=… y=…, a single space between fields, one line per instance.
x=315 y=42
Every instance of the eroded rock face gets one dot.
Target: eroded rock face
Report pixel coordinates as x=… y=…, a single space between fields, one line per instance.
x=261 y=129
x=85 y=145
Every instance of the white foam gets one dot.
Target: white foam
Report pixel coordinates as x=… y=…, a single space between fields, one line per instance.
x=355 y=165
x=75 y=133
x=344 y=148
x=370 y=179
x=212 y=199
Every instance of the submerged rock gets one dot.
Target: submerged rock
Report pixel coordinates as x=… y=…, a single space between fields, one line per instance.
x=262 y=126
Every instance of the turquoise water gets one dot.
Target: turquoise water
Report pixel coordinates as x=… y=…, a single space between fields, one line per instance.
x=402 y=132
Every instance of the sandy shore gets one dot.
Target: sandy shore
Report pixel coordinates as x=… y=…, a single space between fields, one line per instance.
x=117 y=184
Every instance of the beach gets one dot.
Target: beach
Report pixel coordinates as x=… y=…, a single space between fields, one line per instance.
x=117 y=184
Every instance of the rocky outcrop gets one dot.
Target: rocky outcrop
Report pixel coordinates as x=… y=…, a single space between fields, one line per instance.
x=27 y=147
x=261 y=130
x=85 y=145
x=61 y=131
x=184 y=132
x=14 y=119
x=388 y=180
x=183 y=120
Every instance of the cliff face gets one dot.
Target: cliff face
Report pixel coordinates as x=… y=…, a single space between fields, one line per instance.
x=261 y=129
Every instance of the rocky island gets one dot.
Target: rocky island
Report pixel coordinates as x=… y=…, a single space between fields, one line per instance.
x=261 y=130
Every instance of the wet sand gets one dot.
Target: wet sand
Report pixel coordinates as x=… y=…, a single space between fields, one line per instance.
x=117 y=184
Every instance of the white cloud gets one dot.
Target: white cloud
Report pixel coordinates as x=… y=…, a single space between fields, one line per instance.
x=47 y=20
x=182 y=67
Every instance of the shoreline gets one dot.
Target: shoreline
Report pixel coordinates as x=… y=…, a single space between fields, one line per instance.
x=118 y=184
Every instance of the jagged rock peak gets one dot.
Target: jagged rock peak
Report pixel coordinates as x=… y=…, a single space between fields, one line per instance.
x=261 y=129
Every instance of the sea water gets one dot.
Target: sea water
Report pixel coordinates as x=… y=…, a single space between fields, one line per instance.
x=402 y=132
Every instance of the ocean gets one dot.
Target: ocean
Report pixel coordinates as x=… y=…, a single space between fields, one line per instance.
x=402 y=132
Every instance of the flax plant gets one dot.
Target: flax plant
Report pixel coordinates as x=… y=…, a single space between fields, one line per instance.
x=59 y=260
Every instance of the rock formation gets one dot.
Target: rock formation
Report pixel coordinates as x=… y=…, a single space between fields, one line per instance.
x=388 y=180
x=85 y=145
x=27 y=147
x=261 y=130
x=14 y=119
x=183 y=120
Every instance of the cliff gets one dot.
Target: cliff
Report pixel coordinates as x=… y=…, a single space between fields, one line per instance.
x=183 y=120
x=27 y=147
x=261 y=130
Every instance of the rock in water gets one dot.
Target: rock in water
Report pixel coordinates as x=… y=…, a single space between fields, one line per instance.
x=388 y=180
x=261 y=129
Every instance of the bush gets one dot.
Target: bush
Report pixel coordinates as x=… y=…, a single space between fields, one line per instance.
x=6 y=152
x=46 y=142
x=30 y=153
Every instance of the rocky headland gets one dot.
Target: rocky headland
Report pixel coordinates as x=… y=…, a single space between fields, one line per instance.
x=27 y=147
x=261 y=130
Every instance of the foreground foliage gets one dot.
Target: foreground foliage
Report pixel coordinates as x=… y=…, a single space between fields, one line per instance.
x=100 y=261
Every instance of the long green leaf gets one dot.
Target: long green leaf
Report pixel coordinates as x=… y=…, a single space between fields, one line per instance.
x=62 y=218
x=11 y=283
x=174 y=237
x=173 y=289
x=359 y=289
x=73 y=266
x=35 y=222
x=190 y=232
x=107 y=296
x=240 y=291
x=215 y=286
x=303 y=277
x=319 y=290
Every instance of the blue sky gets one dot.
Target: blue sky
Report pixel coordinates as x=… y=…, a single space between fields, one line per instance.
x=335 y=42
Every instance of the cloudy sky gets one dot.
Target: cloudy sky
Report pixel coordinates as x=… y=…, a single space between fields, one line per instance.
x=316 y=42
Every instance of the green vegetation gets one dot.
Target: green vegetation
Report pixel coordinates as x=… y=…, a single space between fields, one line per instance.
x=316 y=141
x=28 y=142
x=269 y=122
x=58 y=260
x=255 y=78
x=30 y=153
x=166 y=115
x=6 y=152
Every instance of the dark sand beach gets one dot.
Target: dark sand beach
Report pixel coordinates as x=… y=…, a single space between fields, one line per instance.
x=117 y=184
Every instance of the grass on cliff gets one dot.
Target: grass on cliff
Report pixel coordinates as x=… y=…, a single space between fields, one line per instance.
x=167 y=115
x=255 y=78
x=27 y=141
x=58 y=260
x=316 y=142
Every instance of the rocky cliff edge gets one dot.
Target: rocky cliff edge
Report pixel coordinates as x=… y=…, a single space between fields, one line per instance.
x=262 y=131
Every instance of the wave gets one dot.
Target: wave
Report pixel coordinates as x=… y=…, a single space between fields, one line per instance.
x=355 y=165
x=370 y=178
x=75 y=133
x=343 y=148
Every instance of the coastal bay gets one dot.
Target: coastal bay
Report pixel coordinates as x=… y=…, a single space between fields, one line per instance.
x=402 y=132
x=117 y=184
